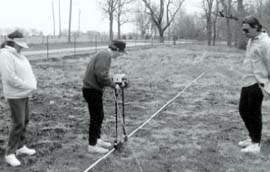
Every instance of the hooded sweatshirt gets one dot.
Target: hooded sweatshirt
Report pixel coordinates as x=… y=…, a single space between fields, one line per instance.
x=17 y=75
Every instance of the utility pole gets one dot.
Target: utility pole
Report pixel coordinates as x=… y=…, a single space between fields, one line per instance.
x=69 y=26
x=60 y=31
x=79 y=24
x=53 y=19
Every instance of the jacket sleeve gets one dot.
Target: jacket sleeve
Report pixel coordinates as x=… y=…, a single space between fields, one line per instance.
x=267 y=84
x=102 y=69
x=259 y=66
x=9 y=74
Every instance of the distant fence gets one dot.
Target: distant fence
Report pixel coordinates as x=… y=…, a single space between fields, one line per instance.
x=41 y=47
x=43 y=40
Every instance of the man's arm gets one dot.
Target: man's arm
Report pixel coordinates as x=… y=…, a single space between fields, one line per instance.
x=102 y=69
x=259 y=66
x=8 y=72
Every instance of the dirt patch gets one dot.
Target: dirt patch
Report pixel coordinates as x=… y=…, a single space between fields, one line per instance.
x=198 y=132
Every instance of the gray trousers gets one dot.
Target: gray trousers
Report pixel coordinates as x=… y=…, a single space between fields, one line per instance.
x=19 y=119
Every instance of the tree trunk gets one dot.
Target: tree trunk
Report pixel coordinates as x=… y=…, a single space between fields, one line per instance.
x=111 y=27
x=215 y=24
x=227 y=7
x=235 y=34
x=161 y=35
x=118 y=27
x=241 y=39
x=209 y=31
x=119 y=20
x=214 y=34
x=229 y=33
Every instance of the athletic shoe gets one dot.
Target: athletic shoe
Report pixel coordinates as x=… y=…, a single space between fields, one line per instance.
x=252 y=148
x=245 y=143
x=96 y=149
x=26 y=150
x=12 y=160
x=102 y=143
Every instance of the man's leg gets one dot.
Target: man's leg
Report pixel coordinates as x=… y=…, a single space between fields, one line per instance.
x=243 y=108
x=95 y=107
x=255 y=115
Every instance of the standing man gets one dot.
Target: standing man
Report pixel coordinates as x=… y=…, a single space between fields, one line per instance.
x=255 y=82
x=95 y=80
x=18 y=84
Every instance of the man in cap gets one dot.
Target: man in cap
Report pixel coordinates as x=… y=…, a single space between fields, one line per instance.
x=18 y=83
x=255 y=82
x=95 y=80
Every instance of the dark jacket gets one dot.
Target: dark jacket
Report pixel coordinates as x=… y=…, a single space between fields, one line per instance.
x=97 y=72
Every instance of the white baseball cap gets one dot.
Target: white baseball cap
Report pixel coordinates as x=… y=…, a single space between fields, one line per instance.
x=18 y=38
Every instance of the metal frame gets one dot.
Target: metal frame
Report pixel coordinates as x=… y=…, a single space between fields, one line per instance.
x=118 y=143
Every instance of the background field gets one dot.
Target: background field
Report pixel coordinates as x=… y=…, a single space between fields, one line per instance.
x=199 y=132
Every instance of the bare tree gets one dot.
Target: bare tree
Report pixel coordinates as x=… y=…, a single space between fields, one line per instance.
x=241 y=41
x=142 y=20
x=208 y=6
x=143 y=23
x=266 y=18
x=189 y=26
x=259 y=8
x=226 y=12
x=53 y=18
x=263 y=13
x=215 y=23
x=169 y=7
x=69 y=25
x=236 y=17
x=109 y=7
x=121 y=12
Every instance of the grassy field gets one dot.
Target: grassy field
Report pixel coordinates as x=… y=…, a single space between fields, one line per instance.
x=198 y=132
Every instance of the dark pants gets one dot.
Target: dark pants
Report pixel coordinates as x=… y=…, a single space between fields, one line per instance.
x=95 y=107
x=250 y=111
x=20 y=117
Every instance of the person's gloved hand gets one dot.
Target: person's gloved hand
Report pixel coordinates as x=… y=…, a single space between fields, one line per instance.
x=117 y=87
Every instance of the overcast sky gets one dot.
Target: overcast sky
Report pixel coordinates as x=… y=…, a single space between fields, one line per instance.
x=37 y=14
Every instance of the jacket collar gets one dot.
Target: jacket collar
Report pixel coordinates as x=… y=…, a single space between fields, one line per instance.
x=9 y=48
x=260 y=36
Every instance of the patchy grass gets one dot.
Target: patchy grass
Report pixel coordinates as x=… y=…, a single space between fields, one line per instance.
x=196 y=133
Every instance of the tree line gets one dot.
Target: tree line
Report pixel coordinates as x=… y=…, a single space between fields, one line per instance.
x=219 y=20
x=216 y=20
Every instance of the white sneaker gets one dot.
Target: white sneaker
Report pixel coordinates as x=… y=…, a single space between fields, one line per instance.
x=25 y=150
x=102 y=143
x=252 y=148
x=12 y=160
x=97 y=149
x=245 y=143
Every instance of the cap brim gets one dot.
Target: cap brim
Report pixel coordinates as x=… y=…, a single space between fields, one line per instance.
x=124 y=52
x=21 y=44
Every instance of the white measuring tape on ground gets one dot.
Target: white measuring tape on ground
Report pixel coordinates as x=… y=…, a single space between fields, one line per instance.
x=157 y=112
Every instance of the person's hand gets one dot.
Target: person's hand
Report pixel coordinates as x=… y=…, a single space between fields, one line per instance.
x=117 y=87
x=124 y=84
